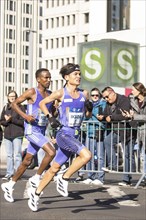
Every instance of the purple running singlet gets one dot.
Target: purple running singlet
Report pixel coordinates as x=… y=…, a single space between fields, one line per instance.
x=35 y=132
x=71 y=113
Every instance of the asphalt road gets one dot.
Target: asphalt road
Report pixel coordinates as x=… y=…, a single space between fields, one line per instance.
x=85 y=202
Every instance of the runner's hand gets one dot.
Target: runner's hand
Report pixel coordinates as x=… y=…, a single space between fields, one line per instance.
x=54 y=122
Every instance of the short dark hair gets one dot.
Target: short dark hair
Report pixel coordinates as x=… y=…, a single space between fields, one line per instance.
x=140 y=87
x=69 y=68
x=39 y=71
x=107 y=88
x=96 y=89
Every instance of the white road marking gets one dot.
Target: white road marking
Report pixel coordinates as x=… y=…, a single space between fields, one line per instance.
x=123 y=199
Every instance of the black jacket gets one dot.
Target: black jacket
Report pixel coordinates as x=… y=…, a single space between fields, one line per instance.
x=113 y=110
x=1 y=134
x=14 y=127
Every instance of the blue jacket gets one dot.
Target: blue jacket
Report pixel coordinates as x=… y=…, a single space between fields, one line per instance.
x=98 y=108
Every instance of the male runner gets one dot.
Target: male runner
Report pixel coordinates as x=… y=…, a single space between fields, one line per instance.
x=35 y=126
x=73 y=103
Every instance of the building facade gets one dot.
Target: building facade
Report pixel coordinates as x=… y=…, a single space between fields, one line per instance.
x=47 y=33
x=70 y=22
x=21 y=41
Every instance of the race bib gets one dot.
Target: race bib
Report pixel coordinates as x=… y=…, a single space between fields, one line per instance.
x=75 y=117
x=42 y=119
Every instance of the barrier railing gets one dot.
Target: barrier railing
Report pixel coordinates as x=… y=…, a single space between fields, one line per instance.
x=118 y=148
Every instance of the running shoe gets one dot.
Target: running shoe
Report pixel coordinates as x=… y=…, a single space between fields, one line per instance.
x=33 y=199
x=80 y=178
x=7 y=177
x=97 y=182
x=87 y=181
x=62 y=186
x=125 y=183
x=8 y=191
x=34 y=181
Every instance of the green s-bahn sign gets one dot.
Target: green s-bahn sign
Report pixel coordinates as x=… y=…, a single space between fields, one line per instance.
x=108 y=63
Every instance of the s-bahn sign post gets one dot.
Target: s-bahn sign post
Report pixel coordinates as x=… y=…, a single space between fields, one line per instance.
x=108 y=62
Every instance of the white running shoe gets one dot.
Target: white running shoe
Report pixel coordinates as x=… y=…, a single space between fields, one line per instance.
x=97 y=182
x=33 y=199
x=62 y=186
x=87 y=181
x=8 y=191
x=34 y=181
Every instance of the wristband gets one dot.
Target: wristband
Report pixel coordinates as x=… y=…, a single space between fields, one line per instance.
x=48 y=116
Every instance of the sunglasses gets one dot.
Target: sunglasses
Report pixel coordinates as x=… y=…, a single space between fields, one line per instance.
x=95 y=95
x=107 y=96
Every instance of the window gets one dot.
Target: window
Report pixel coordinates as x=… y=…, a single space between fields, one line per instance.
x=47 y=23
x=52 y=22
x=26 y=78
x=118 y=15
x=10 y=19
x=52 y=44
x=62 y=21
x=52 y=4
x=57 y=42
x=86 y=17
x=40 y=52
x=27 y=22
x=51 y=64
x=11 y=5
x=10 y=62
x=40 y=25
x=40 y=38
x=73 y=40
x=27 y=8
x=57 y=64
x=26 y=64
x=27 y=36
x=46 y=44
x=10 y=48
x=41 y=11
x=47 y=4
x=86 y=38
x=46 y=63
x=57 y=22
x=68 y=20
x=26 y=50
x=73 y=19
x=62 y=61
x=67 y=60
x=10 y=34
x=10 y=77
x=58 y=2
x=62 y=42
x=67 y=43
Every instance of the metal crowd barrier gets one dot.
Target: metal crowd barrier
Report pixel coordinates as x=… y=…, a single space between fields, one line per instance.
x=129 y=150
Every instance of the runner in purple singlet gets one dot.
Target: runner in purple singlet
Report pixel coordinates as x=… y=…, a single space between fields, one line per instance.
x=35 y=127
x=73 y=104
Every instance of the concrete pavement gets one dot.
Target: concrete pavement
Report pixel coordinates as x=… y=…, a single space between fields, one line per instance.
x=85 y=202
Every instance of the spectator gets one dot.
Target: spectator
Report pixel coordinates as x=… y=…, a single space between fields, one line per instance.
x=94 y=140
x=138 y=114
x=13 y=125
x=1 y=135
x=113 y=113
